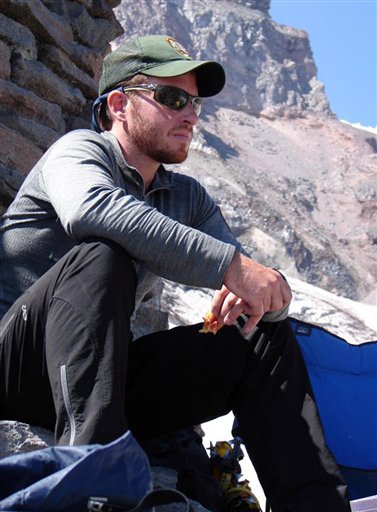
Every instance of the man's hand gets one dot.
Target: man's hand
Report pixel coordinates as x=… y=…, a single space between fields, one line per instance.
x=250 y=288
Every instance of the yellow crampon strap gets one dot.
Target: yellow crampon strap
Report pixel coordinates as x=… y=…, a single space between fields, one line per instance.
x=238 y=497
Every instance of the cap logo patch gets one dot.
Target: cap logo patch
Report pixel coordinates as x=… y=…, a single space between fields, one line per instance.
x=177 y=47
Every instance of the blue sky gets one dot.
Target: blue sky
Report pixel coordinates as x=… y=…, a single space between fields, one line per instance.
x=343 y=38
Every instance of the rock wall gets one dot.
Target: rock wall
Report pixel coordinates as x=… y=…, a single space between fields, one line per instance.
x=17 y=437
x=51 y=54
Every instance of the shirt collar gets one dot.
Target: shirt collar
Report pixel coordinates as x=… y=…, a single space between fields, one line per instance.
x=162 y=180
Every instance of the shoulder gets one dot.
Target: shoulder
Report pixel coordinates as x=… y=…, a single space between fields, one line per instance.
x=81 y=136
x=81 y=144
x=189 y=191
x=184 y=181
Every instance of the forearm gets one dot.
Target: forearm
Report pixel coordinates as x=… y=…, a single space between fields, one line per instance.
x=166 y=247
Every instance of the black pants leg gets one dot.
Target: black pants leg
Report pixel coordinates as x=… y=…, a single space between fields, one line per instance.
x=64 y=343
x=279 y=423
x=181 y=377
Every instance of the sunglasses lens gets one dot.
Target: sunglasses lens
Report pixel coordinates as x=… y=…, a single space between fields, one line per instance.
x=171 y=97
x=197 y=104
x=176 y=98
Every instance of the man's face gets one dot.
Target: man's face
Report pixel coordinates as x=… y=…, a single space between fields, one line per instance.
x=158 y=132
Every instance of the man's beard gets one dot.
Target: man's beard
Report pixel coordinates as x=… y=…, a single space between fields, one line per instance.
x=149 y=143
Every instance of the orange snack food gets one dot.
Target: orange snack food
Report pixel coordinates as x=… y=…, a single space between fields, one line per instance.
x=210 y=324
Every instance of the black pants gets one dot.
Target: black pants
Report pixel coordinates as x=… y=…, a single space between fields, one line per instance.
x=66 y=363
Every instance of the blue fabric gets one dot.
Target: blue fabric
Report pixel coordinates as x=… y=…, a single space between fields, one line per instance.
x=62 y=478
x=344 y=380
x=361 y=483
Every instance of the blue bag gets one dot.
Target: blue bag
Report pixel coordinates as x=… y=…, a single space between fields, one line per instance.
x=63 y=478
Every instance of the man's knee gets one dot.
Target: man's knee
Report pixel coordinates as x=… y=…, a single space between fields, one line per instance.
x=104 y=260
x=111 y=255
x=96 y=274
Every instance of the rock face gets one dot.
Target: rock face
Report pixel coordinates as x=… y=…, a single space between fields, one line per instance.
x=51 y=55
x=17 y=437
x=299 y=193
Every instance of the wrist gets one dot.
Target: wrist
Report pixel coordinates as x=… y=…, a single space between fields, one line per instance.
x=233 y=269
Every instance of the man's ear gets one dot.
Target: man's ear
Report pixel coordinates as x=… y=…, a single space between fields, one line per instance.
x=116 y=103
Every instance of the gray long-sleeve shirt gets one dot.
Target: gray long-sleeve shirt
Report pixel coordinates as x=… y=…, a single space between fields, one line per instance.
x=83 y=187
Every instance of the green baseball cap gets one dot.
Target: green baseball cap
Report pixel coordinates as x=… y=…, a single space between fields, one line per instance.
x=160 y=56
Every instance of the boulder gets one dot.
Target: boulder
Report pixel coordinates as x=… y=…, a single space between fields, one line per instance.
x=17 y=437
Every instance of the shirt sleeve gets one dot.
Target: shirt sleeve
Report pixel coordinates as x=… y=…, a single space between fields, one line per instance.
x=78 y=181
x=210 y=220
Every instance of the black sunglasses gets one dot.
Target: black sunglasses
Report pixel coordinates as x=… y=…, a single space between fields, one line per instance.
x=169 y=96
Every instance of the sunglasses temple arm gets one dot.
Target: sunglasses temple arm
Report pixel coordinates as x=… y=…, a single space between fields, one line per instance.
x=97 y=106
x=95 y=111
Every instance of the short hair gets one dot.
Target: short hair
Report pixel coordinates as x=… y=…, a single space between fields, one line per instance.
x=104 y=119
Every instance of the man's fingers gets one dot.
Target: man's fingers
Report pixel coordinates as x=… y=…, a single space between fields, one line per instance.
x=286 y=292
x=225 y=305
x=255 y=283
x=235 y=311
x=278 y=295
x=218 y=300
x=276 y=302
x=254 y=313
x=250 y=288
x=251 y=323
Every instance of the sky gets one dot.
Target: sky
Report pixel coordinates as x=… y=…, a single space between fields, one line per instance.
x=343 y=39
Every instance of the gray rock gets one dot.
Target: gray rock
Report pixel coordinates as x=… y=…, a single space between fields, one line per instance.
x=92 y=32
x=59 y=62
x=260 y=5
x=5 y=56
x=167 y=478
x=46 y=25
x=14 y=158
x=10 y=182
x=17 y=437
x=28 y=104
x=37 y=133
x=88 y=60
x=18 y=37
x=38 y=78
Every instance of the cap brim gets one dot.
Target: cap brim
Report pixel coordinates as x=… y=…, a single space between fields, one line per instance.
x=210 y=74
